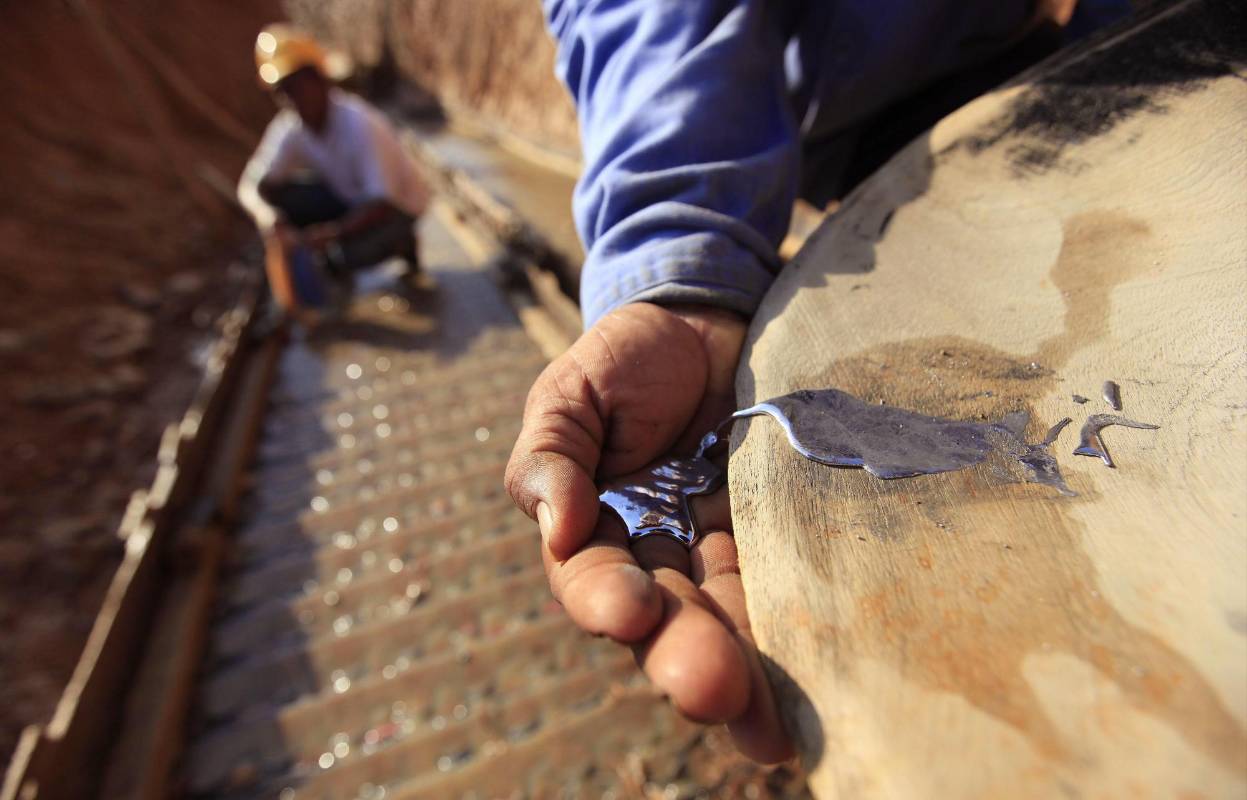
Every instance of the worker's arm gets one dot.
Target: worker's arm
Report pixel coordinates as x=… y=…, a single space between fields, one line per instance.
x=690 y=148
x=690 y=170
x=251 y=196
x=276 y=251
x=272 y=160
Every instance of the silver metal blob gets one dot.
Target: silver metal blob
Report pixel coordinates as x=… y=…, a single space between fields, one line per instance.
x=1091 y=444
x=1054 y=432
x=834 y=428
x=1112 y=395
x=658 y=503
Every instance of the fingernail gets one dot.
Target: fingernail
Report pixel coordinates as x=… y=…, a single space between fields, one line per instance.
x=545 y=521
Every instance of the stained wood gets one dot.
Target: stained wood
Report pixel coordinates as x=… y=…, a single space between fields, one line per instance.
x=966 y=634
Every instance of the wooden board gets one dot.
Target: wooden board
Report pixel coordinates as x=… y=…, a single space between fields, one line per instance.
x=962 y=635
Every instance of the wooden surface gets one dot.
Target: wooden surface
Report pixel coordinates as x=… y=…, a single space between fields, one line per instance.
x=962 y=635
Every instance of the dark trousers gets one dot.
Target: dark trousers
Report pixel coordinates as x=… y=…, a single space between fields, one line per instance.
x=306 y=203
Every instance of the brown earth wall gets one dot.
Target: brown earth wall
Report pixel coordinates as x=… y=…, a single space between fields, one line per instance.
x=115 y=260
x=491 y=58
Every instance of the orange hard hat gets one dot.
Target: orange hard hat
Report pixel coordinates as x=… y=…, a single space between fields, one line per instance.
x=282 y=50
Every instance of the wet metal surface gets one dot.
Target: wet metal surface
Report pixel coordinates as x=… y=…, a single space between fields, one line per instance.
x=1092 y=444
x=1112 y=395
x=834 y=428
x=1055 y=432
x=659 y=503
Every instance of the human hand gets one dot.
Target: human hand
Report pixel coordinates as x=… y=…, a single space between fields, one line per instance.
x=319 y=237
x=643 y=382
x=286 y=234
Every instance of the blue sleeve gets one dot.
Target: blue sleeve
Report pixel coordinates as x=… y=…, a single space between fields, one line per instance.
x=691 y=154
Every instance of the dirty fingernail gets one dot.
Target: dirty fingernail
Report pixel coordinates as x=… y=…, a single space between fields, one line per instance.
x=545 y=521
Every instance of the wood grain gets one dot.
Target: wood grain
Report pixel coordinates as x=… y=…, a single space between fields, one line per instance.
x=963 y=634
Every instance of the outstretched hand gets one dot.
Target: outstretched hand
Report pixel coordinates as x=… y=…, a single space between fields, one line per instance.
x=645 y=382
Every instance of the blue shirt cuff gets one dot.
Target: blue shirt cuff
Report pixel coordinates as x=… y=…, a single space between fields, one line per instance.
x=676 y=253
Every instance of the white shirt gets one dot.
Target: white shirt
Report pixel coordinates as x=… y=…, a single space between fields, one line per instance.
x=358 y=155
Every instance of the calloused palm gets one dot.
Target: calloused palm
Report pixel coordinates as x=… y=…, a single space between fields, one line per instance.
x=644 y=382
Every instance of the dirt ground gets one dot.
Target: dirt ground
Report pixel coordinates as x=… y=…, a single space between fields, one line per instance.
x=116 y=259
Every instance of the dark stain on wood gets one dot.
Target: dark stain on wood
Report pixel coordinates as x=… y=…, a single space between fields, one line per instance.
x=959 y=607
x=1096 y=89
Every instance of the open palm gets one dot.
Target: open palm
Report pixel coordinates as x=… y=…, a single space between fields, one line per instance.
x=643 y=383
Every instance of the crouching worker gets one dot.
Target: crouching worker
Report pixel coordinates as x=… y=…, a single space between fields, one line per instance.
x=329 y=185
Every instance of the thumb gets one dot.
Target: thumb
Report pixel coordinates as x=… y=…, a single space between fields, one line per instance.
x=557 y=492
x=550 y=473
